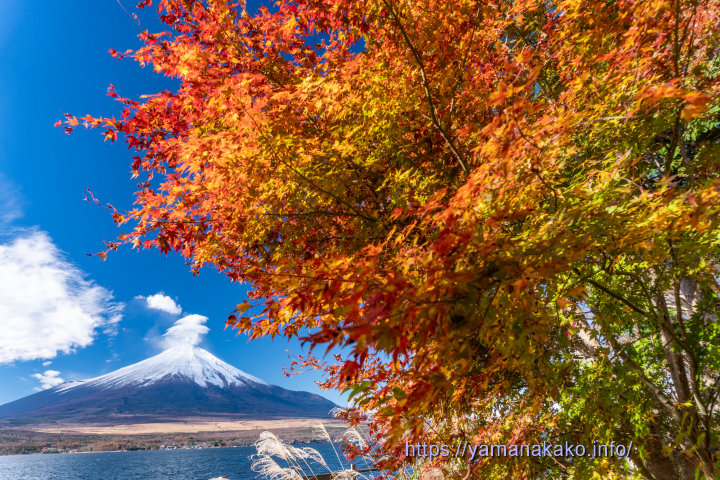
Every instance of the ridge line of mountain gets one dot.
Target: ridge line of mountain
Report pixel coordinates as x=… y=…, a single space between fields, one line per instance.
x=178 y=382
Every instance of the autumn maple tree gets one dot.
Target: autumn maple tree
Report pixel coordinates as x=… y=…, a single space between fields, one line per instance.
x=504 y=213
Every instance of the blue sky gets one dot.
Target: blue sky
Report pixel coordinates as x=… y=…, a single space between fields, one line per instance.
x=65 y=315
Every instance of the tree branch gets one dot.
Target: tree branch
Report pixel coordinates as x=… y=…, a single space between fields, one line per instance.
x=426 y=87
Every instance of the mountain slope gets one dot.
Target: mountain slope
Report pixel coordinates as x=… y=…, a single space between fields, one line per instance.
x=192 y=364
x=179 y=382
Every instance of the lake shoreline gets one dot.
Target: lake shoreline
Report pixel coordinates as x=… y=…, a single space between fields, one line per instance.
x=191 y=464
x=18 y=441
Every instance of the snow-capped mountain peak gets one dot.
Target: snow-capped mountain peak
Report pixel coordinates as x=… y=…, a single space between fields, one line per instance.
x=177 y=383
x=183 y=363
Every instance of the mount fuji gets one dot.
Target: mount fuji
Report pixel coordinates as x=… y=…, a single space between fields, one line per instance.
x=179 y=382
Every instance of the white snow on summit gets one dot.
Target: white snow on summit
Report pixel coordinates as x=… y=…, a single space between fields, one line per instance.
x=190 y=363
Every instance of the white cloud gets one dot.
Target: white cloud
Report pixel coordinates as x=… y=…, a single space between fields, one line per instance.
x=9 y=205
x=48 y=379
x=46 y=304
x=164 y=303
x=45 y=364
x=187 y=331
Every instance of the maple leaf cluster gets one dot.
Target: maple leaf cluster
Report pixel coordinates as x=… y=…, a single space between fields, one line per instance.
x=504 y=213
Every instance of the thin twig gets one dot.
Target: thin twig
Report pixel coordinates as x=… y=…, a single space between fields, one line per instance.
x=426 y=88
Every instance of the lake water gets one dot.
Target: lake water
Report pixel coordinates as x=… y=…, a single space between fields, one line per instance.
x=200 y=464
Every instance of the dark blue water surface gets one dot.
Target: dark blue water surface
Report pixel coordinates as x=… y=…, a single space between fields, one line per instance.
x=201 y=464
